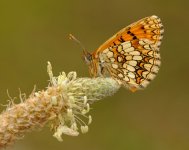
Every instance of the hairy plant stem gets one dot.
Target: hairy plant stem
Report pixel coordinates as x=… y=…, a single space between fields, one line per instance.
x=65 y=105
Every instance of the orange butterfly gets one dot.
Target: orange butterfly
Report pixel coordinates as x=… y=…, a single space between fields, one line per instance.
x=131 y=56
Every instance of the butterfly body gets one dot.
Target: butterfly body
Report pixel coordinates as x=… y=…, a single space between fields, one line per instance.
x=131 y=56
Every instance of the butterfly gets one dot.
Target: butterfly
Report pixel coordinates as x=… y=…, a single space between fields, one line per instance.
x=131 y=56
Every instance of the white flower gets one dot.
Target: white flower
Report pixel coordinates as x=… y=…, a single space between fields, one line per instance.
x=78 y=94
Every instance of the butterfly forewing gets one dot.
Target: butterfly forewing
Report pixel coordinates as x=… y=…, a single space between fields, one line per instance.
x=132 y=55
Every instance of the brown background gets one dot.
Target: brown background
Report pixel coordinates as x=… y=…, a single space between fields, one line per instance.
x=34 y=32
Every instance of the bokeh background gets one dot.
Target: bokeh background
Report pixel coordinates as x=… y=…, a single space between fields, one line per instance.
x=35 y=31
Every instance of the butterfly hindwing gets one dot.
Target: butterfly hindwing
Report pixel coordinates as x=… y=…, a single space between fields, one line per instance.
x=132 y=55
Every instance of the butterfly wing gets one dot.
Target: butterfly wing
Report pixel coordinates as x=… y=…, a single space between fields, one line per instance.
x=132 y=55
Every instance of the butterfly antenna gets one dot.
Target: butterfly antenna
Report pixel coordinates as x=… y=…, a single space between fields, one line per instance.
x=71 y=37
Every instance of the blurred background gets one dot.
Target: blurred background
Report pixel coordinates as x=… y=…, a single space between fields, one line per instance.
x=36 y=31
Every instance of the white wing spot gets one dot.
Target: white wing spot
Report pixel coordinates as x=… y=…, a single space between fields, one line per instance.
x=131 y=75
x=141 y=42
x=151 y=61
x=151 y=53
x=106 y=50
x=147 y=46
x=132 y=63
x=126 y=78
x=110 y=54
x=112 y=59
x=137 y=57
x=115 y=66
x=134 y=53
x=145 y=83
x=129 y=49
x=148 y=66
x=126 y=45
x=120 y=59
x=154 y=69
x=125 y=71
x=128 y=57
x=120 y=75
x=124 y=65
x=144 y=74
x=158 y=62
x=157 y=55
x=151 y=76
x=130 y=68
x=119 y=48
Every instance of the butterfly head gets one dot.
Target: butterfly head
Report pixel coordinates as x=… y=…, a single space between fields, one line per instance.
x=87 y=57
x=89 y=60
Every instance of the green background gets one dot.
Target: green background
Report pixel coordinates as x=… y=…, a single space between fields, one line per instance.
x=35 y=31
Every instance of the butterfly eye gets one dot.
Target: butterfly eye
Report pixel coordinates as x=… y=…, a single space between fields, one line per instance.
x=87 y=57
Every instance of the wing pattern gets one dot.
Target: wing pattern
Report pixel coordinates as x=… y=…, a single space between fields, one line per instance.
x=132 y=55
